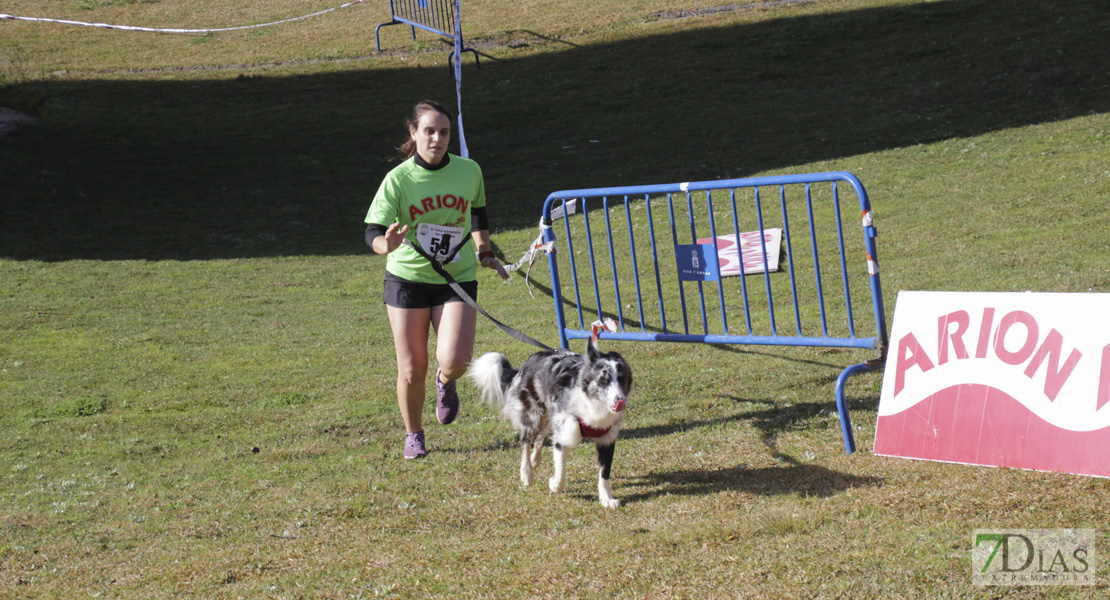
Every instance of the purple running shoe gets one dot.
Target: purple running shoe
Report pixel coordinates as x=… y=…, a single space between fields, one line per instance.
x=414 y=445
x=447 y=401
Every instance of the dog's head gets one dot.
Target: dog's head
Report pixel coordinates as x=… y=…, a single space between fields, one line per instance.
x=608 y=377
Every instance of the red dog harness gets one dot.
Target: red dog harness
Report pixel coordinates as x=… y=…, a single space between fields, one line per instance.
x=591 y=432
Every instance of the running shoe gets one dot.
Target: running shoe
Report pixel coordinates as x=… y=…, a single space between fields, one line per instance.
x=414 y=445
x=447 y=401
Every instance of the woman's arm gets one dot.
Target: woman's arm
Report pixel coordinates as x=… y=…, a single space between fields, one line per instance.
x=485 y=255
x=384 y=243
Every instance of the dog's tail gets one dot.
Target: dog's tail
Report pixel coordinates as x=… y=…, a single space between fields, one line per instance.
x=493 y=374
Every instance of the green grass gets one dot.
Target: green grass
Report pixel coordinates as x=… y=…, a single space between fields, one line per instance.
x=197 y=376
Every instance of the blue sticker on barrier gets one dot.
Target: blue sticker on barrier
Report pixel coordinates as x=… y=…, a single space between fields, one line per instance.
x=697 y=262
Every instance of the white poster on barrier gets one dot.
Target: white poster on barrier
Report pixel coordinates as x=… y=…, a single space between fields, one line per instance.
x=743 y=253
x=1004 y=379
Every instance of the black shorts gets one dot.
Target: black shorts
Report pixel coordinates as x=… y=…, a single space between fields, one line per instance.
x=402 y=293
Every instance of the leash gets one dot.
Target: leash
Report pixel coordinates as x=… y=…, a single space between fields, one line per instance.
x=515 y=334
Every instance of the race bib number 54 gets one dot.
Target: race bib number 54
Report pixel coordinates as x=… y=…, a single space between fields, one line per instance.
x=440 y=240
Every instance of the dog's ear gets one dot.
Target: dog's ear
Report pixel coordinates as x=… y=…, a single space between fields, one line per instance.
x=592 y=351
x=624 y=375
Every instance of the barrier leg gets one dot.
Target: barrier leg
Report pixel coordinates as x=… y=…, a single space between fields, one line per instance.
x=842 y=403
x=377 y=33
x=377 y=36
x=451 y=59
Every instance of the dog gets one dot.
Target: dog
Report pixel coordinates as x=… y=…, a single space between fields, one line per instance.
x=563 y=396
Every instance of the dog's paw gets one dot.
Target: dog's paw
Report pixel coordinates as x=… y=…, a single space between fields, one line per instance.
x=610 y=503
x=526 y=479
x=556 y=484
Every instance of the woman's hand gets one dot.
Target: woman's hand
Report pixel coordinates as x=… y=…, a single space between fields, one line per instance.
x=393 y=237
x=492 y=263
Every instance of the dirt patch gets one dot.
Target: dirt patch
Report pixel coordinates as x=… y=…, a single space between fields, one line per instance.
x=10 y=119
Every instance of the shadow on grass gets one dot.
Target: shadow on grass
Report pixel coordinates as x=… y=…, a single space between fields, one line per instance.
x=793 y=477
x=777 y=418
x=790 y=479
x=774 y=419
x=284 y=162
x=633 y=433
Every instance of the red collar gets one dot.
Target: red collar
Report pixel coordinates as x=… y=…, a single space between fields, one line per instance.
x=591 y=432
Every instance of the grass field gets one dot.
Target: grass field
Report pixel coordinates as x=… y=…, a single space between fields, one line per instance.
x=197 y=376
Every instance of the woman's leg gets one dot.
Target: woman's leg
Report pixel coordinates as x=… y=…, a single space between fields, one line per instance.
x=454 y=325
x=410 y=339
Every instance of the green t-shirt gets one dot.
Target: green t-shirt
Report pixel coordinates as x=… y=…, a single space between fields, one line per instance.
x=436 y=205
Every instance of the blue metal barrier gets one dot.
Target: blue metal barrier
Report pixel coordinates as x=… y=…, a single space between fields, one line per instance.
x=435 y=16
x=647 y=232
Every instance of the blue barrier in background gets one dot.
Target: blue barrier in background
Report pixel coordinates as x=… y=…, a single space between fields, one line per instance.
x=647 y=248
x=435 y=16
